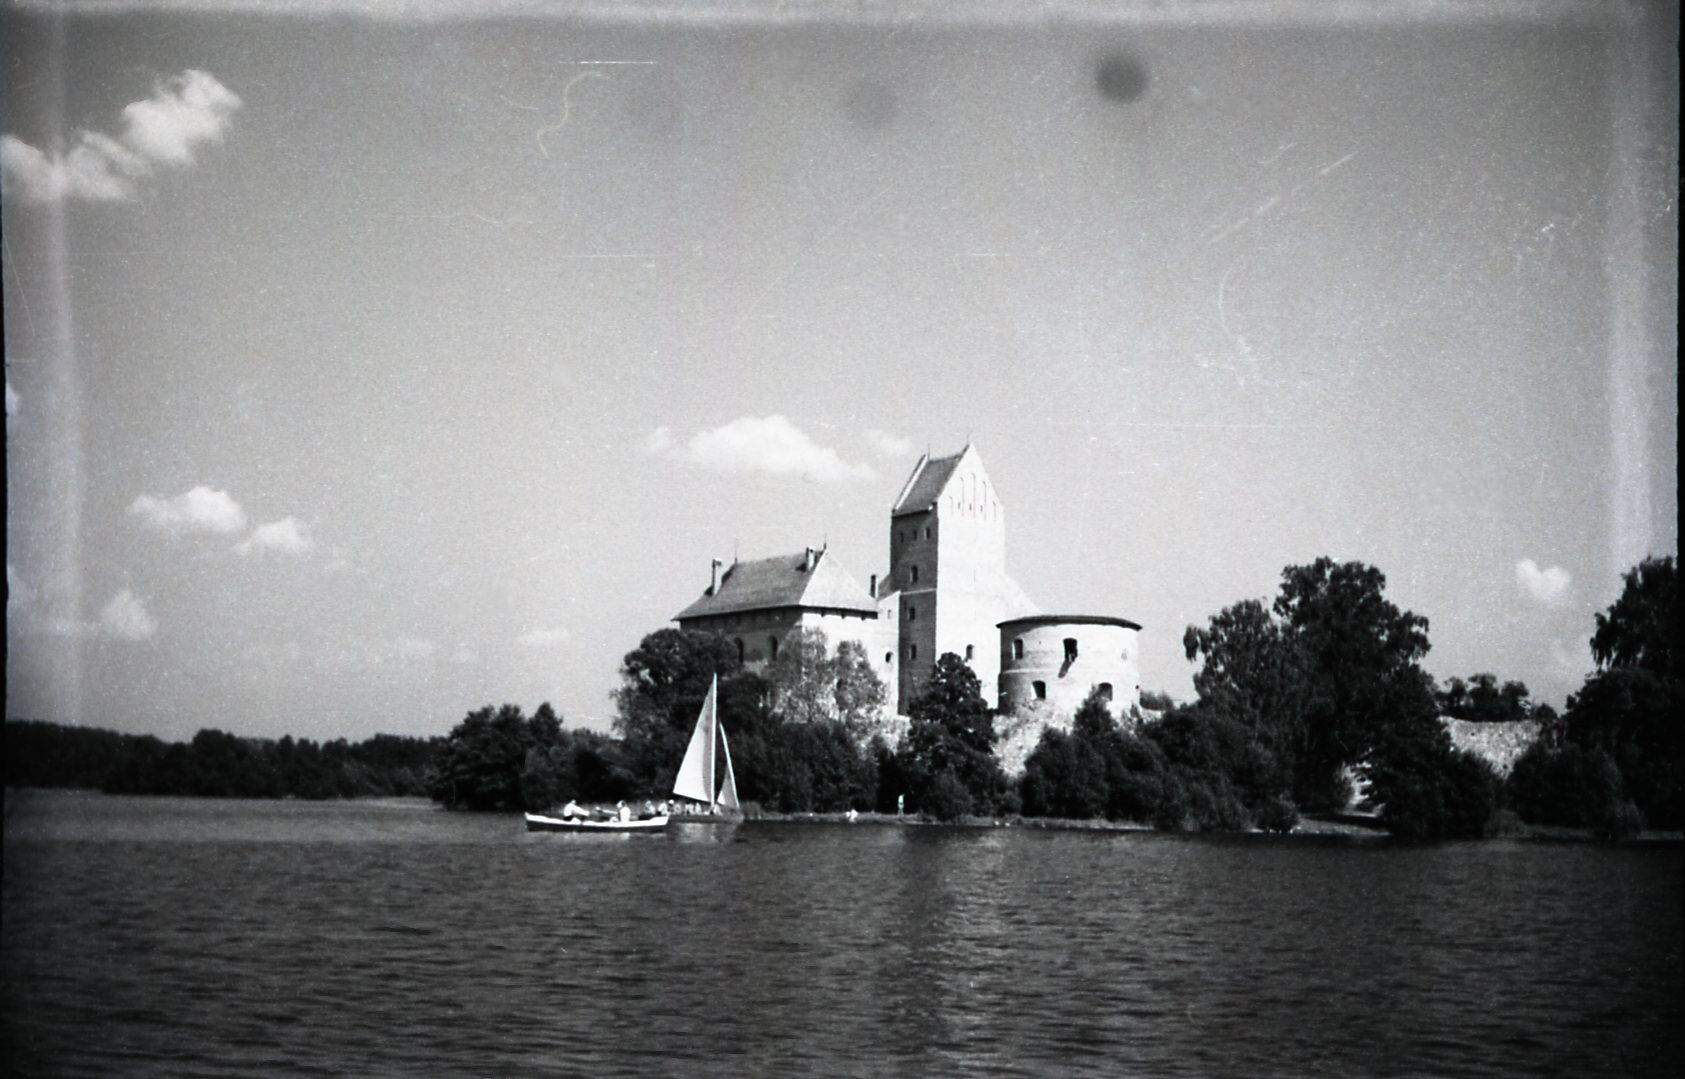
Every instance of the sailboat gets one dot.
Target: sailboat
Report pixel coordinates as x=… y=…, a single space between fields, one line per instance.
x=705 y=776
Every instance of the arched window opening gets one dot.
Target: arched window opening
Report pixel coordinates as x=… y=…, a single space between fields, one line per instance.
x=772 y=647
x=915 y=571
x=970 y=652
x=1018 y=648
x=912 y=613
x=889 y=657
x=1105 y=689
x=912 y=651
x=1070 y=649
x=1041 y=690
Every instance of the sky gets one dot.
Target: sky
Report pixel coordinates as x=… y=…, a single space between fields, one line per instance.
x=365 y=370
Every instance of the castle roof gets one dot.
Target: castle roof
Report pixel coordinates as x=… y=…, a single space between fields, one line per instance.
x=925 y=485
x=784 y=581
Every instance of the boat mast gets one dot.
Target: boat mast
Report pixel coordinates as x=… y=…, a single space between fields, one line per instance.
x=713 y=743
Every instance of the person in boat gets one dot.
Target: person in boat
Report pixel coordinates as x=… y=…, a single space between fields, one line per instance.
x=622 y=812
x=649 y=809
x=574 y=809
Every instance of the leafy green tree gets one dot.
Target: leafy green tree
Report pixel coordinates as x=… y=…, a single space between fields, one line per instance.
x=1427 y=788
x=802 y=678
x=1363 y=657
x=497 y=760
x=1255 y=676
x=950 y=760
x=663 y=683
x=1482 y=700
x=1565 y=785
x=1633 y=706
x=860 y=694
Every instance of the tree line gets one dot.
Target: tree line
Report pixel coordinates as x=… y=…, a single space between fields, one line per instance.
x=1301 y=704
x=215 y=763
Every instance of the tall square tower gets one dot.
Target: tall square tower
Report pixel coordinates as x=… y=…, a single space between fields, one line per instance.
x=947 y=566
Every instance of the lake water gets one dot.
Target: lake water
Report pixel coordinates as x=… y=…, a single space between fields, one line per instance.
x=181 y=937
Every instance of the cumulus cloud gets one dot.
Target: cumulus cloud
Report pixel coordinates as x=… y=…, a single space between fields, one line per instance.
x=287 y=536
x=1547 y=586
x=770 y=444
x=202 y=509
x=164 y=129
x=885 y=444
x=544 y=638
x=126 y=618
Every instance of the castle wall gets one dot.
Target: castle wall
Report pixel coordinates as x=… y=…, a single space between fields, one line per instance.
x=1039 y=674
x=755 y=631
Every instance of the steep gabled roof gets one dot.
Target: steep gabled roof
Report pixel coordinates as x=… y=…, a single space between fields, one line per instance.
x=783 y=581
x=925 y=485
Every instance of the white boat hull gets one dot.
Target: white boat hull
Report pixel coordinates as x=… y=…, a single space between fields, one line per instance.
x=537 y=822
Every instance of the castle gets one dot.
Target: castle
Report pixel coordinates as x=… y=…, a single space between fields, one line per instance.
x=947 y=590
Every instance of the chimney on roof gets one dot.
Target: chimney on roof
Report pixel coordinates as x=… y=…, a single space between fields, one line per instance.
x=874 y=586
x=808 y=560
x=714 y=575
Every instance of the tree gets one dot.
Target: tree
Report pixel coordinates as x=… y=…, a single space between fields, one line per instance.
x=951 y=765
x=860 y=694
x=1362 y=655
x=1482 y=700
x=1426 y=788
x=1641 y=629
x=663 y=683
x=1317 y=678
x=501 y=760
x=1631 y=707
x=802 y=678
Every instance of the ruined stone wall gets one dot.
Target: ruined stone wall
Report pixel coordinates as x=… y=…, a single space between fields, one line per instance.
x=1498 y=744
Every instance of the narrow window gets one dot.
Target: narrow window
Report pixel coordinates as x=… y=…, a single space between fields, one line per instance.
x=772 y=647
x=969 y=651
x=926 y=531
x=1105 y=691
x=912 y=651
x=1041 y=690
x=739 y=649
x=889 y=657
x=1070 y=649
x=915 y=575
x=1018 y=648
x=912 y=613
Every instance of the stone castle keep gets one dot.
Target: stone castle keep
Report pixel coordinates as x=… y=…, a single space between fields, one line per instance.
x=946 y=590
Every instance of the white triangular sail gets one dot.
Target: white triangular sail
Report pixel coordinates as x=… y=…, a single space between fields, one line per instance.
x=696 y=775
x=728 y=788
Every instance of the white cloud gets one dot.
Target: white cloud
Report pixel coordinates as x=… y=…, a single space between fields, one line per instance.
x=1547 y=586
x=288 y=535
x=183 y=113
x=885 y=444
x=202 y=509
x=770 y=444
x=660 y=441
x=544 y=638
x=125 y=618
